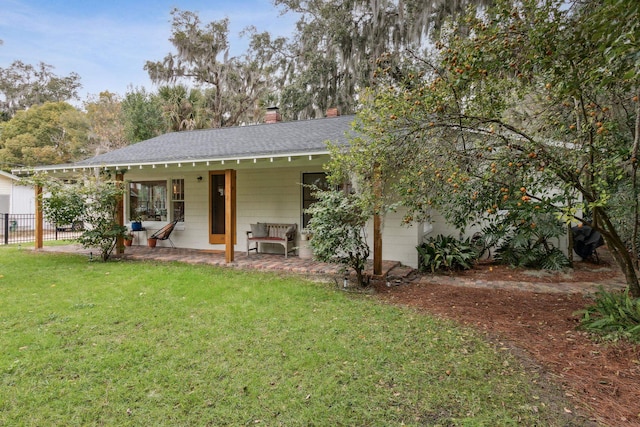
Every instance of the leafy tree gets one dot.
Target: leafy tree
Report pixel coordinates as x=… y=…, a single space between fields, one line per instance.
x=518 y=109
x=107 y=128
x=52 y=133
x=334 y=50
x=142 y=115
x=338 y=226
x=233 y=85
x=93 y=202
x=62 y=204
x=621 y=50
x=24 y=85
x=101 y=209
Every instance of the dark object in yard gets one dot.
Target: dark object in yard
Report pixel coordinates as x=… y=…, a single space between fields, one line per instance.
x=165 y=232
x=76 y=226
x=586 y=240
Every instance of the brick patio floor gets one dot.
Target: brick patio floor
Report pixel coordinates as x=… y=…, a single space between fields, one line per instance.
x=393 y=271
x=264 y=262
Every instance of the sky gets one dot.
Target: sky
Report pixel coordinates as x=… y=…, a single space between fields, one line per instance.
x=107 y=42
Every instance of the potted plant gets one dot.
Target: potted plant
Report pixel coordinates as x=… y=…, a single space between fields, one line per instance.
x=128 y=239
x=136 y=224
x=151 y=241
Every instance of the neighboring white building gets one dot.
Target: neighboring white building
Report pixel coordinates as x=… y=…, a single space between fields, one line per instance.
x=15 y=199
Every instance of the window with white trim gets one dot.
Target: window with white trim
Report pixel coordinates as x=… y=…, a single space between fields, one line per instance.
x=177 y=199
x=150 y=201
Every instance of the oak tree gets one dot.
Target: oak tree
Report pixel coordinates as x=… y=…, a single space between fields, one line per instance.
x=333 y=51
x=51 y=133
x=233 y=85
x=24 y=85
x=104 y=113
x=519 y=111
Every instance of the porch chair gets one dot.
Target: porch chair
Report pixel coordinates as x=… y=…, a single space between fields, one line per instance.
x=165 y=232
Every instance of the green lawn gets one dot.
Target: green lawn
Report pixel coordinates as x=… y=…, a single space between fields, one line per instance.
x=148 y=344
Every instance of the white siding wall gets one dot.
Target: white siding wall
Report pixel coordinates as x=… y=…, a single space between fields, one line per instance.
x=398 y=241
x=23 y=200
x=271 y=193
x=5 y=184
x=5 y=194
x=16 y=199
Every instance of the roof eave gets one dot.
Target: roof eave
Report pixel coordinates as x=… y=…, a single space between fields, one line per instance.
x=77 y=167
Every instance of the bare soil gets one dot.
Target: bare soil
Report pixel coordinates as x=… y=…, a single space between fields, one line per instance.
x=601 y=381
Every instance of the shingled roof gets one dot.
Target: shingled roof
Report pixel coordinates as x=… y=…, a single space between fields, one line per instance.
x=264 y=140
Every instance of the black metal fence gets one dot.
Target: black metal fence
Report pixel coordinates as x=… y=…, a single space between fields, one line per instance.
x=20 y=228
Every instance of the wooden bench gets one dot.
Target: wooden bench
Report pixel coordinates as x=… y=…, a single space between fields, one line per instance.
x=281 y=234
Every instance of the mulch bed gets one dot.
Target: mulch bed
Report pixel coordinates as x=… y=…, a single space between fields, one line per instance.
x=601 y=380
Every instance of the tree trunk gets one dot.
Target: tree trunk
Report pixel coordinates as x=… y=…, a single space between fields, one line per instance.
x=624 y=261
x=359 y=277
x=618 y=250
x=634 y=185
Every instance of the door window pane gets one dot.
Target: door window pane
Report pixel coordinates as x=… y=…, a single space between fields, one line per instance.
x=318 y=179
x=217 y=204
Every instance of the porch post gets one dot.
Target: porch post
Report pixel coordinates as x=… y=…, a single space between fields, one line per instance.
x=39 y=219
x=377 y=223
x=230 y=214
x=377 y=245
x=120 y=212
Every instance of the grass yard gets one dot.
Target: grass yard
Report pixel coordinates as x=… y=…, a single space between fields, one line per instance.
x=130 y=343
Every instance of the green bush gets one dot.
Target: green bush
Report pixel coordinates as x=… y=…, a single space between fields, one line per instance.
x=90 y=201
x=526 y=241
x=446 y=253
x=613 y=316
x=338 y=225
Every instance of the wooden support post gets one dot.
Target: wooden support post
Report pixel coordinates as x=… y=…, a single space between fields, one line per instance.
x=39 y=218
x=377 y=245
x=230 y=214
x=120 y=212
x=377 y=222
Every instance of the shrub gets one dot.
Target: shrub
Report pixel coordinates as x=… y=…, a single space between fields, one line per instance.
x=338 y=228
x=446 y=253
x=525 y=241
x=613 y=316
x=101 y=210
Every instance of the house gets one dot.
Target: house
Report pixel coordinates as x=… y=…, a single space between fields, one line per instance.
x=218 y=182
x=15 y=199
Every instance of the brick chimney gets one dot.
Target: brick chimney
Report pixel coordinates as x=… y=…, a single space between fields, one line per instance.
x=332 y=112
x=272 y=115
